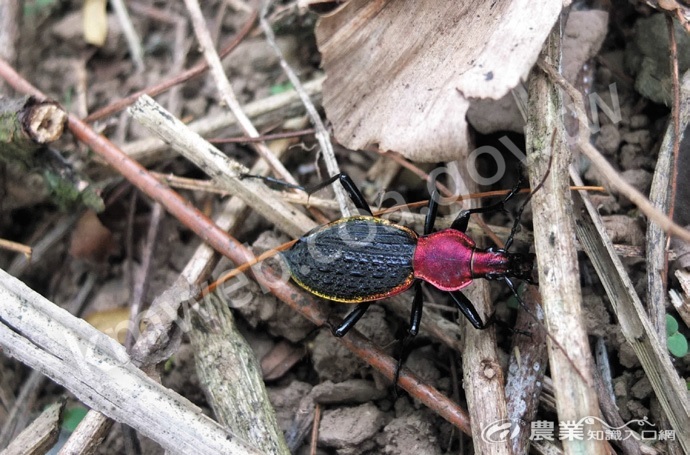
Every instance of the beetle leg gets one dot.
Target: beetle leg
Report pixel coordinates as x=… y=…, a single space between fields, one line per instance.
x=345 y=180
x=417 y=306
x=272 y=181
x=354 y=193
x=465 y=306
x=415 y=321
x=351 y=319
x=460 y=222
x=432 y=208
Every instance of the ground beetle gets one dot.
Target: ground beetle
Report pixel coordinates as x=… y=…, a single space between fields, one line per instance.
x=360 y=259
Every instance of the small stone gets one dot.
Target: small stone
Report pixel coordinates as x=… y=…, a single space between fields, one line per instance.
x=348 y=427
x=620 y=387
x=412 y=434
x=639 y=121
x=639 y=178
x=609 y=139
x=641 y=389
x=641 y=137
x=637 y=409
x=633 y=157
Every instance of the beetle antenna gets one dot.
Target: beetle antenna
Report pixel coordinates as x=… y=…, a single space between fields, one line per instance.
x=516 y=223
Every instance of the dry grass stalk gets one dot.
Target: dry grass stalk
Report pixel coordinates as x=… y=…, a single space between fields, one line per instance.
x=559 y=282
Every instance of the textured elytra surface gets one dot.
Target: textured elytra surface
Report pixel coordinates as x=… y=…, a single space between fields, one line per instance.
x=354 y=260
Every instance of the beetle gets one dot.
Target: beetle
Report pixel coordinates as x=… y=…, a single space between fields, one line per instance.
x=361 y=259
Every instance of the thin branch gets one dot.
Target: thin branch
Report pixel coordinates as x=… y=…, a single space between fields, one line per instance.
x=41 y=435
x=559 y=282
x=142 y=279
x=219 y=167
x=16 y=247
x=227 y=94
x=133 y=41
x=262 y=138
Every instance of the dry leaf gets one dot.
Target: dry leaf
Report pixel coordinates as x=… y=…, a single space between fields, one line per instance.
x=95 y=22
x=113 y=323
x=90 y=240
x=401 y=73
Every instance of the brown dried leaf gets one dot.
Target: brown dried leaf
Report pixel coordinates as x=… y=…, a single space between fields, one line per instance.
x=90 y=240
x=401 y=73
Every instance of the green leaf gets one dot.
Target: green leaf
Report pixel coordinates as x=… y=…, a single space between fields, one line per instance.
x=169 y=365
x=72 y=417
x=677 y=345
x=671 y=325
x=280 y=88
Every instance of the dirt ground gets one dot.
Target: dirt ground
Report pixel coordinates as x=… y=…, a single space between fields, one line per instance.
x=360 y=411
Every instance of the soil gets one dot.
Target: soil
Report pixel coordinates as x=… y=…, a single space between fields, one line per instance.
x=362 y=414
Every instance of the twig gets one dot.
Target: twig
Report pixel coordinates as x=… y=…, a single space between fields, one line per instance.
x=133 y=41
x=98 y=371
x=483 y=378
x=675 y=114
x=212 y=187
x=559 y=283
x=528 y=361
x=219 y=167
x=662 y=195
x=226 y=92
x=231 y=376
x=262 y=138
x=607 y=401
x=283 y=104
x=322 y=135
x=141 y=280
x=88 y=435
x=315 y=430
x=41 y=435
x=16 y=247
